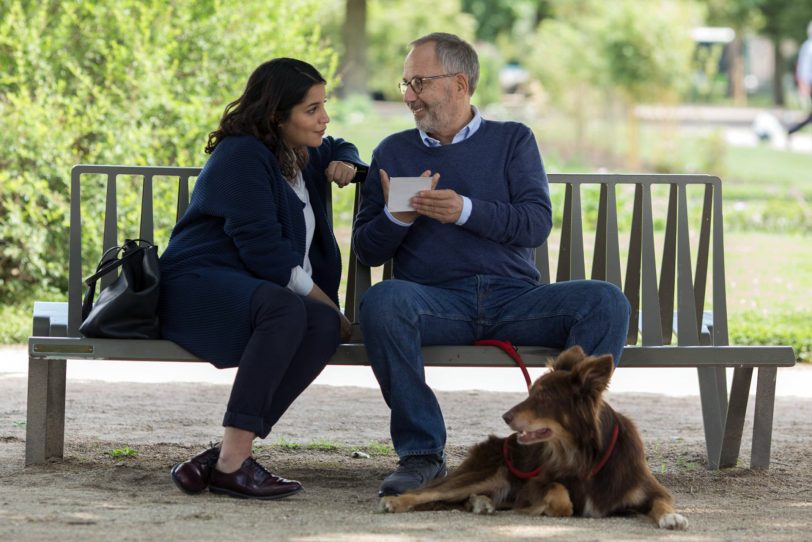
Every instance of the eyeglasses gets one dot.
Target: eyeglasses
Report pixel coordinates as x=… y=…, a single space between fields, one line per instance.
x=417 y=82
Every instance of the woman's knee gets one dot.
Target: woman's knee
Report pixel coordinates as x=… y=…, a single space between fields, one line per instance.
x=323 y=325
x=272 y=304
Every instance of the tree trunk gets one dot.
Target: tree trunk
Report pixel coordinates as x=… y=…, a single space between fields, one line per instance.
x=633 y=138
x=354 y=71
x=778 y=73
x=736 y=73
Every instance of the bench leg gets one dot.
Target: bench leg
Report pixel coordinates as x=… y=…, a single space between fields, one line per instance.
x=713 y=395
x=736 y=410
x=763 y=418
x=45 y=416
x=45 y=419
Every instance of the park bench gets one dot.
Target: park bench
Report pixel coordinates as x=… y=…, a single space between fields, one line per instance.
x=669 y=325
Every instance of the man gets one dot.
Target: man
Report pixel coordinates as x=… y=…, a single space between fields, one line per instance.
x=804 y=75
x=463 y=260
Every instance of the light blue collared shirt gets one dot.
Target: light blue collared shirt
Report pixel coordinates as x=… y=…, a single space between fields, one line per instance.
x=467 y=131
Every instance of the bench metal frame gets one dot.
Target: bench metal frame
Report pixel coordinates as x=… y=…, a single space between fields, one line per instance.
x=701 y=336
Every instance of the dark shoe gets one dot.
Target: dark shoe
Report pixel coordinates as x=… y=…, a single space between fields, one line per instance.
x=414 y=471
x=252 y=481
x=192 y=476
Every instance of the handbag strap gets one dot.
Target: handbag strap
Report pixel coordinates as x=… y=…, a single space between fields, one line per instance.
x=106 y=265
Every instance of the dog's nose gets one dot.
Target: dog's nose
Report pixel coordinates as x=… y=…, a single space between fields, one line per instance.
x=508 y=417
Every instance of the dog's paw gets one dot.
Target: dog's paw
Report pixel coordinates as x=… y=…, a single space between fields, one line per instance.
x=392 y=505
x=673 y=521
x=480 y=504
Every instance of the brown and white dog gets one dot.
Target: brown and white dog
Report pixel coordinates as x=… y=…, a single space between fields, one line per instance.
x=572 y=454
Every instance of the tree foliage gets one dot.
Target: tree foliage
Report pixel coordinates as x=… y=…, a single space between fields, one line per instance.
x=638 y=48
x=120 y=82
x=391 y=30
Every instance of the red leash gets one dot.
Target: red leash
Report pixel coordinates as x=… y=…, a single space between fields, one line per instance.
x=511 y=351
x=609 y=449
x=520 y=474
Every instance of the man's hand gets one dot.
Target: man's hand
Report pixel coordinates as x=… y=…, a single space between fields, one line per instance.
x=406 y=216
x=442 y=205
x=341 y=173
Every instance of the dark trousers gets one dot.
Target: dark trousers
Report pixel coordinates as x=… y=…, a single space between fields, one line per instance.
x=801 y=124
x=293 y=337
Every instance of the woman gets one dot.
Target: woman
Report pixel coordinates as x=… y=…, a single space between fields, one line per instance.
x=250 y=276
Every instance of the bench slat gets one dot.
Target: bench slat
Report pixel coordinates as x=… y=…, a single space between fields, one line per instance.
x=147 y=230
x=355 y=354
x=668 y=266
x=651 y=332
x=687 y=324
x=110 y=238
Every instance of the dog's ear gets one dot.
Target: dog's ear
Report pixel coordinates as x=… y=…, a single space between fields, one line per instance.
x=592 y=374
x=568 y=359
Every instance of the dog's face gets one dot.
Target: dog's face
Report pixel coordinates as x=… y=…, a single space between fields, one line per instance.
x=562 y=400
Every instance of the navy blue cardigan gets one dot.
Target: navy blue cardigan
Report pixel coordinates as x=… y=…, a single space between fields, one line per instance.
x=244 y=225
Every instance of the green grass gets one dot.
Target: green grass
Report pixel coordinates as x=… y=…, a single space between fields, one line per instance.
x=767 y=169
x=123 y=452
x=286 y=444
x=379 y=449
x=324 y=445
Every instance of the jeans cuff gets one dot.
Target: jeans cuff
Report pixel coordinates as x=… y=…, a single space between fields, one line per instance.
x=438 y=452
x=247 y=422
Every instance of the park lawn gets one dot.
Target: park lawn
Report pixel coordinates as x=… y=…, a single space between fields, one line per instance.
x=764 y=168
x=768 y=273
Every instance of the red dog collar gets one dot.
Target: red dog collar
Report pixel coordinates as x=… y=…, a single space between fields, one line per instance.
x=527 y=475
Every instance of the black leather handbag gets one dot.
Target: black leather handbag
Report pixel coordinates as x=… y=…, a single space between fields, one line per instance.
x=128 y=307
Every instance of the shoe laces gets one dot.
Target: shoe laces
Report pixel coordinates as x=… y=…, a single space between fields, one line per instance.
x=211 y=459
x=258 y=469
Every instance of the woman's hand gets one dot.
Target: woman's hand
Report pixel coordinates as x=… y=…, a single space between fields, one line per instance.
x=341 y=173
x=346 y=327
x=319 y=295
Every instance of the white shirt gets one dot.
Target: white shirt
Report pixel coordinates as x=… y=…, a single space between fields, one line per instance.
x=301 y=281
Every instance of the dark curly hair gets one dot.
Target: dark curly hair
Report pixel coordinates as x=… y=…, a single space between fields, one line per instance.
x=272 y=91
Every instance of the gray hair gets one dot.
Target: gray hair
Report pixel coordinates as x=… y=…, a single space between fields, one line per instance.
x=455 y=54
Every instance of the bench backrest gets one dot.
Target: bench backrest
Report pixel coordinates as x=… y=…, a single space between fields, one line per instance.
x=681 y=284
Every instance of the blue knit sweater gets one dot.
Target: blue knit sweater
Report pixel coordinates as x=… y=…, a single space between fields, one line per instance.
x=244 y=225
x=499 y=168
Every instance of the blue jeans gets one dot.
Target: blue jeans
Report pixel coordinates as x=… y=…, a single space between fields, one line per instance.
x=398 y=317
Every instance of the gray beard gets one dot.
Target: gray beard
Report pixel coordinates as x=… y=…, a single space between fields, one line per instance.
x=430 y=122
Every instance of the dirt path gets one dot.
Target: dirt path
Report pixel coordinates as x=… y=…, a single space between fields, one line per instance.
x=93 y=496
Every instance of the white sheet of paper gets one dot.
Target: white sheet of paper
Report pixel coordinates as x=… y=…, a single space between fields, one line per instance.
x=402 y=189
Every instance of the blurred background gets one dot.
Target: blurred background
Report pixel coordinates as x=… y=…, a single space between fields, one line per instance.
x=672 y=86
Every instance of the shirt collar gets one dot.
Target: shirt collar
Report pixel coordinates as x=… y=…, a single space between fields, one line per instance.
x=467 y=131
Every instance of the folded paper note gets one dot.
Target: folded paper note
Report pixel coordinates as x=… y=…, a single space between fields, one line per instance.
x=402 y=189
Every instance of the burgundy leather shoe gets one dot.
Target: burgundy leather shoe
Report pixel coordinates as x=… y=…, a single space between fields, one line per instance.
x=252 y=481
x=192 y=476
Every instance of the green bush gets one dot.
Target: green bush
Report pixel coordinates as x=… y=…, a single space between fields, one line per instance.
x=122 y=82
x=753 y=328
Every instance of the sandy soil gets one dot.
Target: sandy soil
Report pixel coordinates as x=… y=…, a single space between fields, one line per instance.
x=94 y=496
